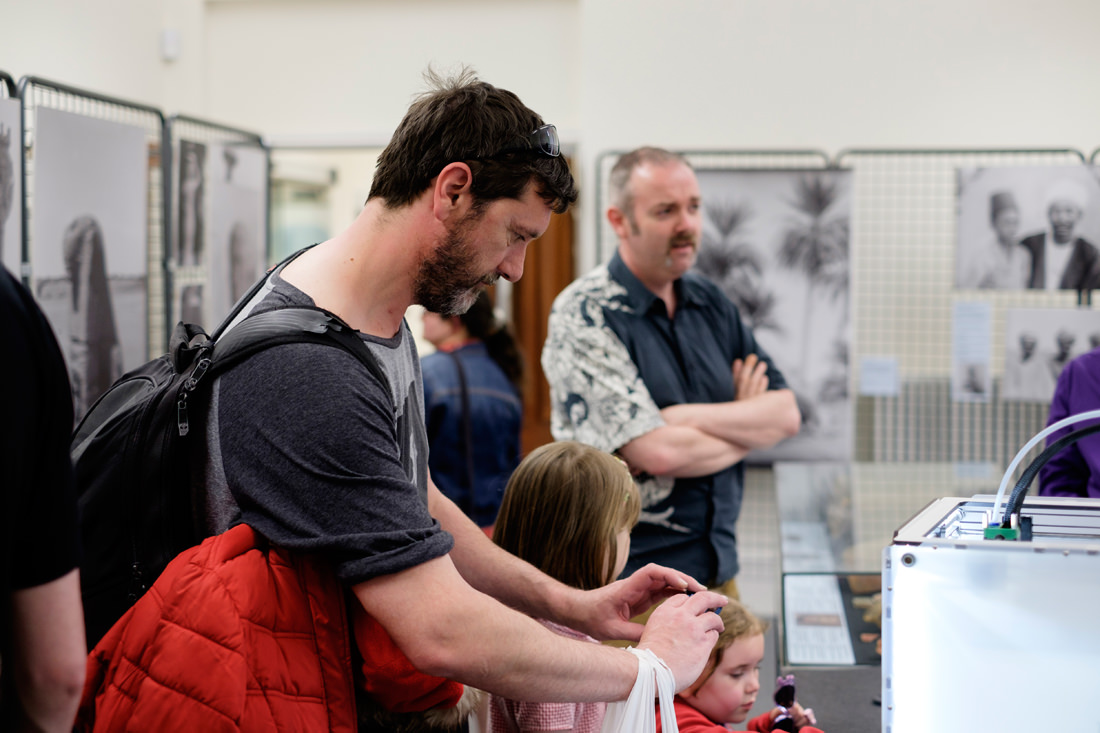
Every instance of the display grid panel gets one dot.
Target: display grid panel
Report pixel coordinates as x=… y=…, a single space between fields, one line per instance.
x=39 y=93
x=9 y=89
x=183 y=128
x=904 y=235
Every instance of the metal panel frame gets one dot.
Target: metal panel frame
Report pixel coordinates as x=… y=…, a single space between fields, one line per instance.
x=10 y=90
x=922 y=423
x=179 y=127
x=37 y=92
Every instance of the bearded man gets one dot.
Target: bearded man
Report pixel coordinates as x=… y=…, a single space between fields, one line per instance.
x=325 y=462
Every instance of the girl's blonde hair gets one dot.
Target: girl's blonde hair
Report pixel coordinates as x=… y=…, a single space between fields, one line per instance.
x=739 y=623
x=562 y=509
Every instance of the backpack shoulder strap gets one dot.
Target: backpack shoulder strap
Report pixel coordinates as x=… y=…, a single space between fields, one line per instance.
x=293 y=324
x=246 y=302
x=243 y=334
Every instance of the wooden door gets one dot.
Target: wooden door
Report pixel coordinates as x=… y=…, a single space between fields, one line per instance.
x=548 y=269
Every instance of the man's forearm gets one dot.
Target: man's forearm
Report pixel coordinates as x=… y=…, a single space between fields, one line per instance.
x=447 y=628
x=756 y=423
x=680 y=451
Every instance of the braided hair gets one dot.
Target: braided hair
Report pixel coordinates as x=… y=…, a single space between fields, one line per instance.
x=483 y=326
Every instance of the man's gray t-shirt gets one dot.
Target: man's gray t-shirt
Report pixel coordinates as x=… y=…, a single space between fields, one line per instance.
x=320 y=457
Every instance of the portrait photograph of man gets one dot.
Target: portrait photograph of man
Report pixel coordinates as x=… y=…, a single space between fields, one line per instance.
x=1028 y=228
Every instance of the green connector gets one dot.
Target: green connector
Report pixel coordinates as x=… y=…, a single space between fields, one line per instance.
x=995 y=532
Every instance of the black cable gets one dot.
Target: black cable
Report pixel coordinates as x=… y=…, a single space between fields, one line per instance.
x=1016 y=501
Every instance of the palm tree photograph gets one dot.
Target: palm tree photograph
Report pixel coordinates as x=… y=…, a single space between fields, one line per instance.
x=777 y=243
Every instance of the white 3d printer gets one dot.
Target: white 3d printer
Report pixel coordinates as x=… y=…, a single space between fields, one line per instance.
x=991 y=611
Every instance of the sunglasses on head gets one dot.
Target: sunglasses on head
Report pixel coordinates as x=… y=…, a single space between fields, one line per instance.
x=542 y=140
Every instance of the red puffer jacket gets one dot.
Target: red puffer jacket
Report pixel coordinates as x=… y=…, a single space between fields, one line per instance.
x=234 y=636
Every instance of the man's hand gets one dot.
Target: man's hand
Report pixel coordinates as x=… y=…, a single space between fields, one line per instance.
x=605 y=613
x=682 y=631
x=750 y=377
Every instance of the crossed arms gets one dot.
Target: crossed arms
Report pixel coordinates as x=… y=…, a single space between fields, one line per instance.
x=699 y=439
x=600 y=398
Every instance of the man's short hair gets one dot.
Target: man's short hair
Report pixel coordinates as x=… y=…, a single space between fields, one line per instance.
x=465 y=119
x=620 y=195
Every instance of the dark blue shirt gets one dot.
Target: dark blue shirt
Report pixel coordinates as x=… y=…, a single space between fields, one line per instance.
x=496 y=419
x=614 y=359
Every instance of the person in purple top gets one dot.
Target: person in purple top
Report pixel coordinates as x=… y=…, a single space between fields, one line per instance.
x=1075 y=470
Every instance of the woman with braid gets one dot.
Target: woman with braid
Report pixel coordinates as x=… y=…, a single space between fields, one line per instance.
x=473 y=406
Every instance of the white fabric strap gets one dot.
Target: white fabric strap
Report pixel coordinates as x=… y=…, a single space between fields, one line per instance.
x=636 y=714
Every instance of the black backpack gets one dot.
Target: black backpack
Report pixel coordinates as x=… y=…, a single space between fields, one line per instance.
x=132 y=451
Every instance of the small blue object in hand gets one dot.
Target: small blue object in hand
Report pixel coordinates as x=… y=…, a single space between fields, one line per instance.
x=716 y=610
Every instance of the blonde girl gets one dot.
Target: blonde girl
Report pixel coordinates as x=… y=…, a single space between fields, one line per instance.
x=568 y=510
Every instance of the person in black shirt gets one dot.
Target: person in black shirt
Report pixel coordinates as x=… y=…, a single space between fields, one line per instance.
x=42 y=651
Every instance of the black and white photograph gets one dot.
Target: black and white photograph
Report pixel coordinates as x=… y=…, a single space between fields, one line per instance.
x=971 y=339
x=777 y=243
x=191 y=306
x=191 y=205
x=238 y=178
x=971 y=382
x=1028 y=227
x=11 y=186
x=88 y=257
x=1039 y=342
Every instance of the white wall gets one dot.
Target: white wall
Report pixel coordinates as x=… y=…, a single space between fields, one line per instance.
x=798 y=73
x=337 y=69
x=109 y=46
x=719 y=74
x=611 y=74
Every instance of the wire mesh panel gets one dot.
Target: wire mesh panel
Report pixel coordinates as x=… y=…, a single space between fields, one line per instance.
x=11 y=177
x=904 y=238
x=700 y=160
x=109 y=152
x=218 y=218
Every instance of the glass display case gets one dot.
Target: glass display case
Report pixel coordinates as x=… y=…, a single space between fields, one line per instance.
x=835 y=520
